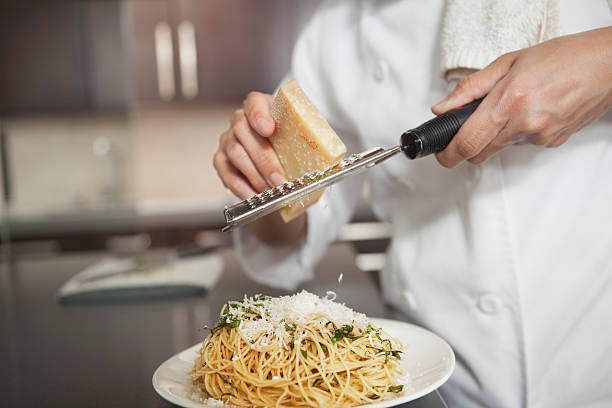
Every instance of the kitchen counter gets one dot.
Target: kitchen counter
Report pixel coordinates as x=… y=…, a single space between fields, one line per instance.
x=104 y=354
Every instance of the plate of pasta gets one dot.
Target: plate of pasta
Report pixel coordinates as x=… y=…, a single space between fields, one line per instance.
x=304 y=351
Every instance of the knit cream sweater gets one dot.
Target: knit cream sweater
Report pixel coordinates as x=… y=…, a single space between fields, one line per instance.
x=476 y=32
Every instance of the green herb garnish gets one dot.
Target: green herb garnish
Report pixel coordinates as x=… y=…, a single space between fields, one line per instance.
x=395 y=388
x=387 y=353
x=257 y=298
x=344 y=331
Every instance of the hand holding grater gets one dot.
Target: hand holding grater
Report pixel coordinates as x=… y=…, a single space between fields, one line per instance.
x=430 y=137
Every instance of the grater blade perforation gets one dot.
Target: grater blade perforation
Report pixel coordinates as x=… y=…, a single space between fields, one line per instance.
x=280 y=196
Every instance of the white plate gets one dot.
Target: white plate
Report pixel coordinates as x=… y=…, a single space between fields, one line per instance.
x=428 y=360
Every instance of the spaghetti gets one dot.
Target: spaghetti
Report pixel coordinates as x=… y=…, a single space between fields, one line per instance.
x=296 y=351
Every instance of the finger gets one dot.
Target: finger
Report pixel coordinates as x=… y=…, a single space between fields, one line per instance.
x=476 y=133
x=232 y=178
x=487 y=152
x=496 y=145
x=476 y=85
x=561 y=138
x=237 y=115
x=257 y=109
x=239 y=158
x=260 y=152
x=566 y=133
x=505 y=138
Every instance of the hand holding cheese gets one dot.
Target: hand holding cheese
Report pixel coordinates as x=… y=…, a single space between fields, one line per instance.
x=268 y=131
x=245 y=159
x=247 y=164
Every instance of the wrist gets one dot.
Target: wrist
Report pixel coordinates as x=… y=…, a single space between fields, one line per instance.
x=273 y=231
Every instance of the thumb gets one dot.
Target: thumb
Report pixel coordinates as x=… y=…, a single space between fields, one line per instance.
x=257 y=108
x=476 y=85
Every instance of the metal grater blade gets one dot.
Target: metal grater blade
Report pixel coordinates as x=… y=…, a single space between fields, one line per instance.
x=278 y=197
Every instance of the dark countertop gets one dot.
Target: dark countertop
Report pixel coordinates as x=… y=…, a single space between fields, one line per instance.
x=104 y=354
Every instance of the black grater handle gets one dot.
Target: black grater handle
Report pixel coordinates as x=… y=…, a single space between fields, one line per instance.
x=434 y=135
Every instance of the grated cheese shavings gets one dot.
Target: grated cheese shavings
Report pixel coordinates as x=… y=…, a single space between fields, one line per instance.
x=331 y=295
x=265 y=320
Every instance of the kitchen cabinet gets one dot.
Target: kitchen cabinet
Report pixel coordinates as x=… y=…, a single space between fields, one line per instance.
x=61 y=56
x=242 y=44
x=232 y=47
x=118 y=54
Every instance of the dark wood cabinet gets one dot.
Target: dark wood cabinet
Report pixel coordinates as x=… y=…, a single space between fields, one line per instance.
x=240 y=45
x=77 y=55
x=61 y=56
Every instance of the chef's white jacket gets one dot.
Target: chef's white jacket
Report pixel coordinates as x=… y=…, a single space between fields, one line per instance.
x=509 y=261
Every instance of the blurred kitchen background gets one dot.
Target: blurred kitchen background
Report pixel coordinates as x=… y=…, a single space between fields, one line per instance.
x=110 y=208
x=110 y=113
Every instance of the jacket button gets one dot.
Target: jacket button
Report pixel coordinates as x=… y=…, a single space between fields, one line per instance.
x=381 y=70
x=489 y=303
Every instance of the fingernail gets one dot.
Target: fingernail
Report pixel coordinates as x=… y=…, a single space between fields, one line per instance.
x=439 y=103
x=264 y=126
x=276 y=179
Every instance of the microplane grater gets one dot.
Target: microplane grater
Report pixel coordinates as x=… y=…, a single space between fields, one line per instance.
x=430 y=137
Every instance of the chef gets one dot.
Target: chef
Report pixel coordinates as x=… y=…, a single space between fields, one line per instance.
x=500 y=244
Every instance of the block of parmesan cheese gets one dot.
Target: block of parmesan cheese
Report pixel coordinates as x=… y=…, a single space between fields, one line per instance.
x=303 y=140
